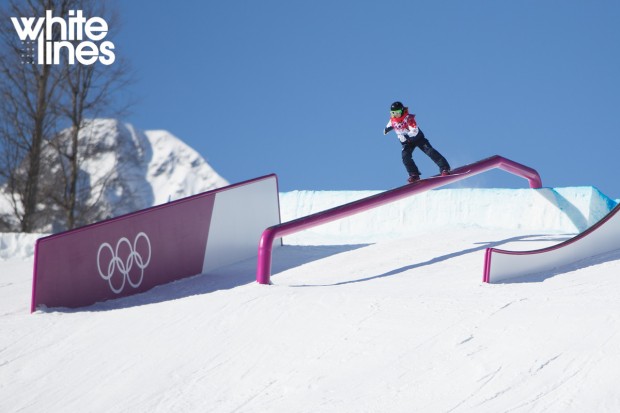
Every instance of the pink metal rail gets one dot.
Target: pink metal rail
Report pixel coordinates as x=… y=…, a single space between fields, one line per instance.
x=263 y=269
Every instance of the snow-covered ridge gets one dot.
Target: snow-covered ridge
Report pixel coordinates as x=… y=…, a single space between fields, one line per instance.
x=152 y=167
x=547 y=210
x=176 y=170
x=125 y=169
x=568 y=210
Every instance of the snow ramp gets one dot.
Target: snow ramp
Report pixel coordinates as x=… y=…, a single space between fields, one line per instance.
x=600 y=238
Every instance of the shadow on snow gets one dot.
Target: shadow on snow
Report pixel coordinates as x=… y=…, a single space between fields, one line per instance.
x=235 y=275
x=482 y=246
x=288 y=257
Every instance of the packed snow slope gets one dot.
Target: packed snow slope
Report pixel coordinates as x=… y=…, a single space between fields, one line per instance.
x=382 y=312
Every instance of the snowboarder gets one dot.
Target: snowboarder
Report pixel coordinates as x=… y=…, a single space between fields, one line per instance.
x=411 y=137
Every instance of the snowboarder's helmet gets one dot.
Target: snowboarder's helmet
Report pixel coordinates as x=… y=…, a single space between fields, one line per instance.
x=396 y=110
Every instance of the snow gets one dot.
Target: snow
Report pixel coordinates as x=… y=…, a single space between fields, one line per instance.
x=550 y=209
x=384 y=312
x=156 y=165
x=127 y=169
x=176 y=170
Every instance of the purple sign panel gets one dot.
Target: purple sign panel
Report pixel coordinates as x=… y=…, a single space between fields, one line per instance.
x=122 y=256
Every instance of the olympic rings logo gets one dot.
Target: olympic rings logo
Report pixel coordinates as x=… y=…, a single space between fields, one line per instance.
x=124 y=267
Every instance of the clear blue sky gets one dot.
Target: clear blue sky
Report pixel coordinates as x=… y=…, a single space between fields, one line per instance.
x=303 y=88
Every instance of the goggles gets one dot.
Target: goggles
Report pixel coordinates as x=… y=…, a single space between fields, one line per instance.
x=396 y=113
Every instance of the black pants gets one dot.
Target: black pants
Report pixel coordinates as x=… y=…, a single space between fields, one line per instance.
x=421 y=142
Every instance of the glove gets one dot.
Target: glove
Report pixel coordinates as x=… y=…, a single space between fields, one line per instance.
x=386 y=130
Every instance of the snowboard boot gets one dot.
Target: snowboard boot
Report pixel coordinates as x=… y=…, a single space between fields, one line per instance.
x=413 y=178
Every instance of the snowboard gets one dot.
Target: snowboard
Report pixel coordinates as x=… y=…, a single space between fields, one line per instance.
x=440 y=176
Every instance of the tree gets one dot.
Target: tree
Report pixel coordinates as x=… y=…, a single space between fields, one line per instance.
x=27 y=91
x=86 y=92
x=42 y=174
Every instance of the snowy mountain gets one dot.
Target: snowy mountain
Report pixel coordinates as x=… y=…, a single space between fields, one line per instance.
x=127 y=169
x=383 y=312
x=152 y=167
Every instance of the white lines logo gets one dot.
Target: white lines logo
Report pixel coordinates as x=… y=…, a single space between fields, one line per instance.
x=116 y=265
x=78 y=38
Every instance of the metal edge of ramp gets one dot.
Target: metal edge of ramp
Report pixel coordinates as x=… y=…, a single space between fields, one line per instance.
x=604 y=236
